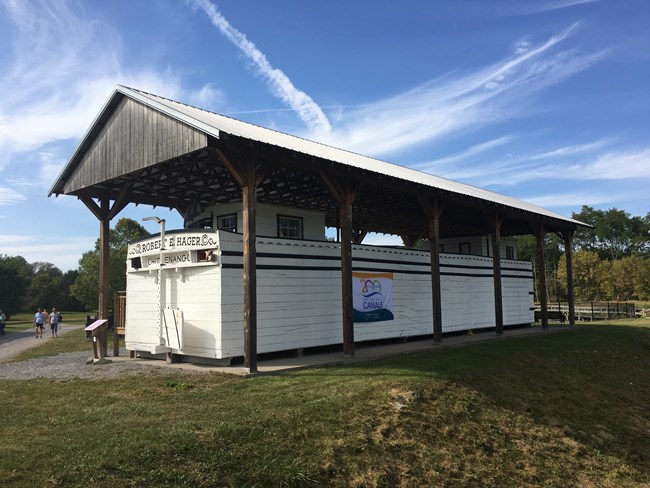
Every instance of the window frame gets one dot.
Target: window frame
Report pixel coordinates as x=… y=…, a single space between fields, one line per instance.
x=300 y=221
x=228 y=229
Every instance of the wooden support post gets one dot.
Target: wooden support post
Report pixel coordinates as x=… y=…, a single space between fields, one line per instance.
x=433 y=213
x=345 y=194
x=116 y=320
x=497 y=222
x=568 y=251
x=104 y=253
x=245 y=175
x=104 y=213
x=345 y=221
x=541 y=275
x=250 y=271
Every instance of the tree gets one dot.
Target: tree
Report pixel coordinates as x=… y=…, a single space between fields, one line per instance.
x=587 y=276
x=527 y=249
x=642 y=279
x=15 y=277
x=86 y=287
x=619 y=281
x=69 y=302
x=641 y=239
x=553 y=252
x=45 y=288
x=615 y=233
x=125 y=231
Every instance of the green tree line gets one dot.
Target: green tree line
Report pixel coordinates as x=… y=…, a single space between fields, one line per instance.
x=611 y=260
x=27 y=286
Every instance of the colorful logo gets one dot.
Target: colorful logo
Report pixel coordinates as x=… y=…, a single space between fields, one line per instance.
x=370 y=288
x=372 y=296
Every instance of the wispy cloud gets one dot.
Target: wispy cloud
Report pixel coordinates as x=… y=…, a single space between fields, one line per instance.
x=566 y=151
x=308 y=111
x=9 y=196
x=466 y=165
x=62 y=67
x=579 y=162
x=616 y=165
x=572 y=200
x=11 y=239
x=560 y=4
x=208 y=97
x=456 y=102
x=471 y=152
x=63 y=251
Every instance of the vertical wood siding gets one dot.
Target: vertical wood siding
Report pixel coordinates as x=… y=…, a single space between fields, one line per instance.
x=133 y=138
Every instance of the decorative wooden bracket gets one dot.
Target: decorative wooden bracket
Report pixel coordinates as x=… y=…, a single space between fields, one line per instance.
x=358 y=235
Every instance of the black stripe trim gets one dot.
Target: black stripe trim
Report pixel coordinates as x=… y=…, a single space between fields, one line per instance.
x=368 y=260
x=371 y=270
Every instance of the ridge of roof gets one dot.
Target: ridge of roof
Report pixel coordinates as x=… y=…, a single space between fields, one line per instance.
x=214 y=124
x=339 y=155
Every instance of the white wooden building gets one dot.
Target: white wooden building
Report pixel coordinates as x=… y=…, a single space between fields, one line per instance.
x=144 y=149
x=299 y=287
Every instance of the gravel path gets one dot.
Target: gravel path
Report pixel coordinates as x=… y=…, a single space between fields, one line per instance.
x=61 y=367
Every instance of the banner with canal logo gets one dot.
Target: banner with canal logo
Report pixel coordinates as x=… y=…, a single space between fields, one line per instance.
x=372 y=297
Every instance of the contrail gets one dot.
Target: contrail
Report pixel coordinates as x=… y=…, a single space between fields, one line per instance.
x=308 y=111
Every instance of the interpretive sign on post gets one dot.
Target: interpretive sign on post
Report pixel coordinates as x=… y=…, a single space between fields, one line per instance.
x=99 y=331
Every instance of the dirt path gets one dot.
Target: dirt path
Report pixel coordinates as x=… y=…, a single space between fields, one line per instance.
x=15 y=342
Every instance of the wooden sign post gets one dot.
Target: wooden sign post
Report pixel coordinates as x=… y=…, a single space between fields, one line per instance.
x=99 y=332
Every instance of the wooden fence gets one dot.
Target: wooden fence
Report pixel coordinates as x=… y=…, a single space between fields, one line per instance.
x=588 y=311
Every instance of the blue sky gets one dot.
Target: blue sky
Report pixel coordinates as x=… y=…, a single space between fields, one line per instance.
x=547 y=101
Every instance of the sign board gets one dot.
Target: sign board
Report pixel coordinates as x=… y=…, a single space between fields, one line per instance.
x=95 y=325
x=180 y=249
x=372 y=297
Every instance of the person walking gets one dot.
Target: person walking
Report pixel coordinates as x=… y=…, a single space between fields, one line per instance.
x=55 y=319
x=39 y=323
x=3 y=319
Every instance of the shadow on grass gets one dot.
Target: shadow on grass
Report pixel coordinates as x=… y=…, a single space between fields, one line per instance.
x=592 y=385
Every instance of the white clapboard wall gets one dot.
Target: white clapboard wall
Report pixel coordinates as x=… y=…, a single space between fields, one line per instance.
x=299 y=296
x=299 y=293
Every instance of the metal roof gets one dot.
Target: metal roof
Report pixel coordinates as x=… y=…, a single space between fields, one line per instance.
x=213 y=124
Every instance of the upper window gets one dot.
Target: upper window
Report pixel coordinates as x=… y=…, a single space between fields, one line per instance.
x=290 y=227
x=204 y=223
x=227 y=222
x=510 y=252
x=463 y=248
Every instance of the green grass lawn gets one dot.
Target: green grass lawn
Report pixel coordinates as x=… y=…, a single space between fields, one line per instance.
x=566 y=409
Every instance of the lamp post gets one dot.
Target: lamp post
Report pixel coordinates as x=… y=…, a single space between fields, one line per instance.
x=161 y=286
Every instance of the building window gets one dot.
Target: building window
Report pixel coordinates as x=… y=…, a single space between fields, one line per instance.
x=510 y=252
x=463 y=248
x=204 y=223
x=290 y=227
x=441 y=248
x=227 y=222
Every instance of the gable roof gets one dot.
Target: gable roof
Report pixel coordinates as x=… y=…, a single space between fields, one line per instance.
x=201 y=125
